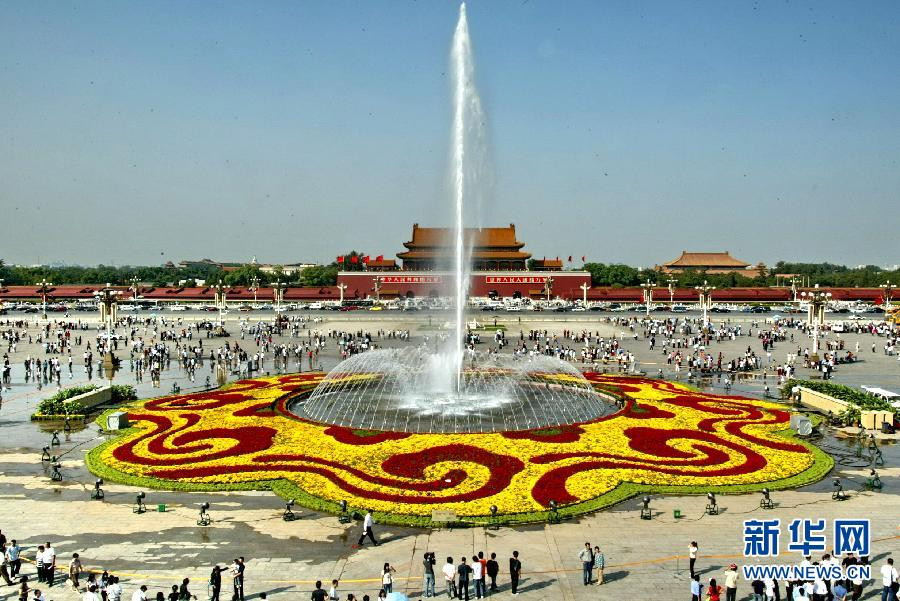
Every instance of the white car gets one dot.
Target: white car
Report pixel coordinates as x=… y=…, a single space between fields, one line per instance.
x=177 y=307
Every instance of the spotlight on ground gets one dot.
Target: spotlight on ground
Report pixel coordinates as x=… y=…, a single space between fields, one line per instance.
x=553 y=518
x=54 y=440
x=838 y=494
x=873 y=482
x=204 y=520
x=289 y=515
x=56 y=475
x=646 y=514
x=139 y=506
x=766 y=501
x=45 y=454
x=344 y=517
x=97 y=493
x=711 y=507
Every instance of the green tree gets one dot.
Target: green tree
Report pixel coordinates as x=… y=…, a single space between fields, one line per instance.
x=319 y=275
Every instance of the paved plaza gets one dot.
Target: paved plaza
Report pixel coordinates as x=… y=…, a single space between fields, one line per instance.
x=284 y=559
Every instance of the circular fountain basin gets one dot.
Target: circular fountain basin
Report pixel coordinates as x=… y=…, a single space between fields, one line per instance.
x=412 y=390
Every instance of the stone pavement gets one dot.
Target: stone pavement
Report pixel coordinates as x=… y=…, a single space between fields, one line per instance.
x=644 y=558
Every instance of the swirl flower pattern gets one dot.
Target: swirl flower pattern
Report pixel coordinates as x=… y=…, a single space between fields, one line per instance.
x=666 y=437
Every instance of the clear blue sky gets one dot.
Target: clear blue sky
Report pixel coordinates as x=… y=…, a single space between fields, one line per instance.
x=134 y=132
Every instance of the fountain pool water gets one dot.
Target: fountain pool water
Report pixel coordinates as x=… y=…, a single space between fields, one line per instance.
x=402 y=390
x=452 y=389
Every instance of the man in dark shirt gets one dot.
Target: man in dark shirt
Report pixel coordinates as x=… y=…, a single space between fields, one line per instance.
x=493 y=568
x=215 y=582
x=319 y=594
x=515 y=569
x=464 y=570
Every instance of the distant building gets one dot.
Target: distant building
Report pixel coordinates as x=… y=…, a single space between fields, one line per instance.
x=716 y=263
x=492 y=249
x=498 y=268
x=286 y=269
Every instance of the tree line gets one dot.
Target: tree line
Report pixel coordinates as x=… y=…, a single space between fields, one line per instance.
x=602 y=274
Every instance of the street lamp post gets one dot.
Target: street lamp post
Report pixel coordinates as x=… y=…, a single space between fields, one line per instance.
x=816 y=315
x=887 y=287
x=584 y=288
x=134 y=288
x=377 y=281
x=254 y=285
x=341 y=288
x=220 y=301
x=671 y=282
x=705 y=292
x=279 y=287
x=794 y=282
x=107 y=297
x=648 y=294
x=45 y=289
x=548 y=286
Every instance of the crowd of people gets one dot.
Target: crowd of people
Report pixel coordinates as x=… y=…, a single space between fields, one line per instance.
x=817 y=589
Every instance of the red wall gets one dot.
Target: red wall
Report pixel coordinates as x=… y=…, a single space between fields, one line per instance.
x=433 y=283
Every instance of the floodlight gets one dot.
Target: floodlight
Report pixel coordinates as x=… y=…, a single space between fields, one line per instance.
x=204 y=520
x=97 y=493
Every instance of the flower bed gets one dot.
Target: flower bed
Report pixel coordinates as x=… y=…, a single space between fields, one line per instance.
x=667 y=439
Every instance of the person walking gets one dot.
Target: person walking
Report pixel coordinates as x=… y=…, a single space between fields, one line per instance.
x=368 y=522
x=515 y=571
x=4 y=571
x=692 y=555
x=464 y=570
x=586 y=555
x=493 y=569
x=696 y=587
x=75 y=569
x=319 y=593
x=12 y=556
x=428 y=563
x=449 y=572
x=731 y=577
x=387 y=578
x=888 y=580
x=599 y=563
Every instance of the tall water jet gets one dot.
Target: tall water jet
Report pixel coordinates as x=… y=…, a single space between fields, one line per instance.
x=424 y=389
x=467 y=124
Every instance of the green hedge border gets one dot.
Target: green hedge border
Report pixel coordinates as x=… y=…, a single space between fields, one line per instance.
x=820 y=468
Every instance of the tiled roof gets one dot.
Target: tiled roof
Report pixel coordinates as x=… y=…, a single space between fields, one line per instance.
x=442 y=237
x=501 y=255
x=690 y=259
